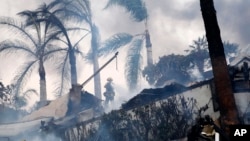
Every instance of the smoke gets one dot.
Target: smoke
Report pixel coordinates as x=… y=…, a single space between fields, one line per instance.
x=122 y=96
x=195 y=74
x=234 y=22
x=50 y=137
x=38 y=137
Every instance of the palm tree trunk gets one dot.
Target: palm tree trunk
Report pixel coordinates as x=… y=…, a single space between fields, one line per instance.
x=72 y=58
x=97 y=78
x=72 y=61
x=223 y=87
x=43 y=91
x=94 y=47
x=149 y=49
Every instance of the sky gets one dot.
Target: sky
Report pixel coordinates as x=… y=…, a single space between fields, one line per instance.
x=173 y=25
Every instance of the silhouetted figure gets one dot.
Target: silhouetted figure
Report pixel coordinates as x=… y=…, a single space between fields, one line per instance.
x=109 y=93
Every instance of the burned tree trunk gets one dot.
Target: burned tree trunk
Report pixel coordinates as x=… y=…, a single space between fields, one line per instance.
x=223 y=87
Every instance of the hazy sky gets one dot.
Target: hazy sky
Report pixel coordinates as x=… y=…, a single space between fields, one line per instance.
x=173 y=25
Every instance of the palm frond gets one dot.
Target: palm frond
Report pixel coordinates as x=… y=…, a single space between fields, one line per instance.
x=64 y=70
x=50 y=18
x=74 y=10
x=9 y=47
x=114 y=43
x=55 y=36
x=30 y=19
x=79 y=52
x=12 y=24
x=52 y=52
x=136 y=8
x=17 y=28
x=77 y=43
x=134 y=64
x=88 y=57
x=28 y=92
x=28 y=16
x=76 y=46
x=21 y=78
x=77 y=29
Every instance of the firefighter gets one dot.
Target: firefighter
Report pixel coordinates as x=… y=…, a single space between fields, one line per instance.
x=109 y=93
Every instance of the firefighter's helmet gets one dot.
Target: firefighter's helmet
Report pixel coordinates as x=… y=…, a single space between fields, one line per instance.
x=109 y=79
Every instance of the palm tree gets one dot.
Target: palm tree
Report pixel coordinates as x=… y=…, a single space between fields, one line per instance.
x=133 y=65
x=138 y=12
x=54 y=21
x=79 y=10
x=50 y=16
x=199 y=56
x=198 y=53
x=223 y=87
x=35 y=45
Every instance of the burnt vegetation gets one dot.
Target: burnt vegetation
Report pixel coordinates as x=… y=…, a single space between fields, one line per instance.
x=159 y=121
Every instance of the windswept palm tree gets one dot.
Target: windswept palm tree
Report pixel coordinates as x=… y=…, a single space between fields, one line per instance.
x=64 y=66
x=34 y=45
x=80 y=11
x=198 y=53
x=138 y=12
x=50 y=17
x=136 y=8
x=133 y=64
